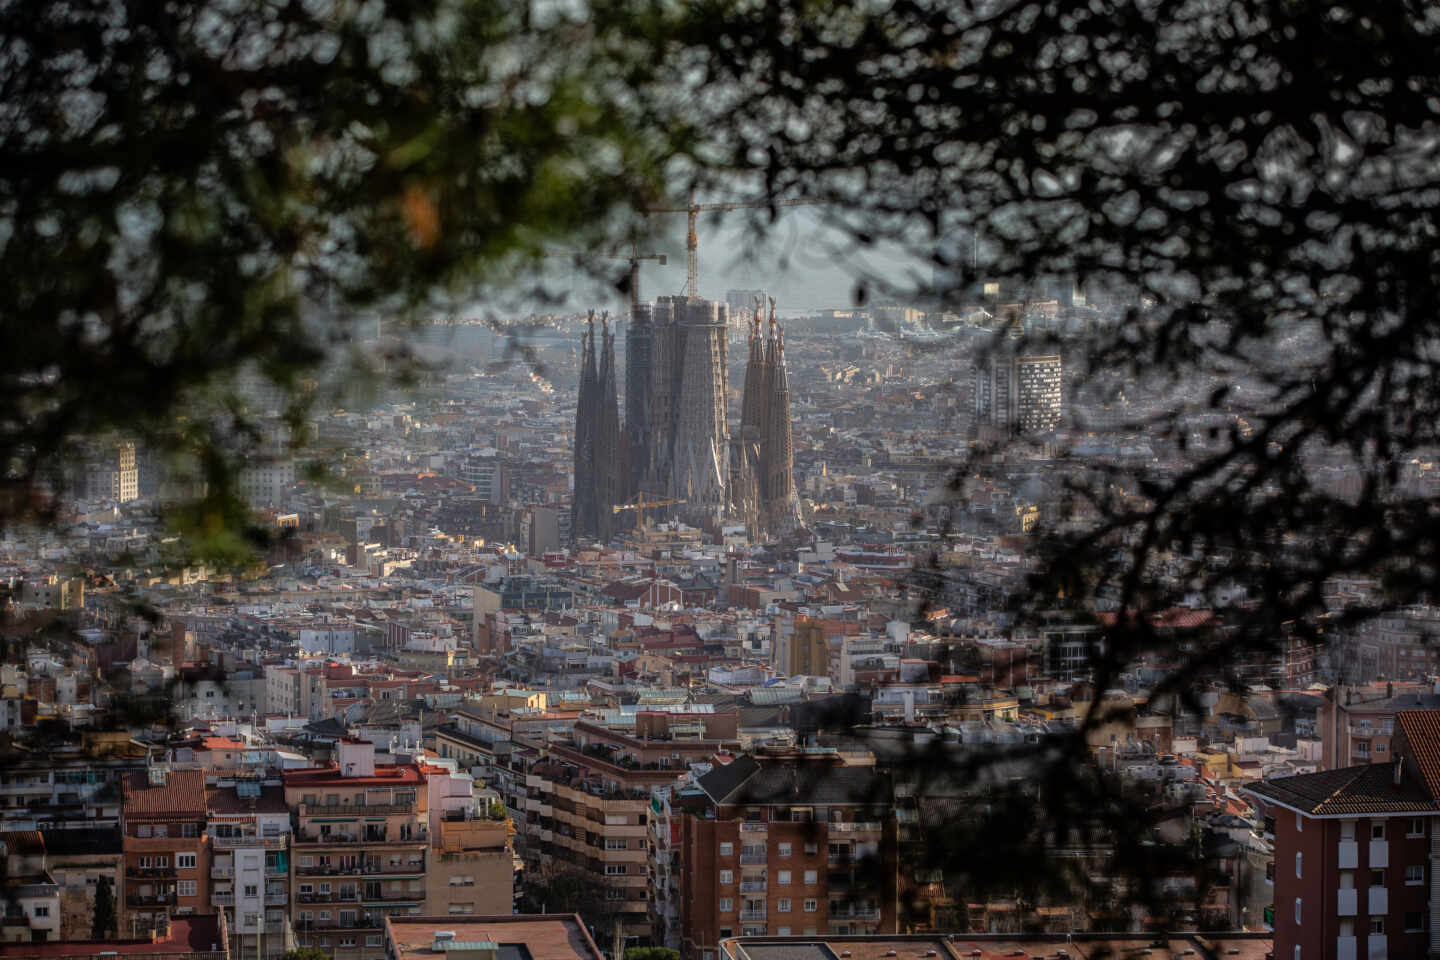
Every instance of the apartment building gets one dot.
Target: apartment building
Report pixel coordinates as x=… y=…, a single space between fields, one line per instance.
x=1354 y=852
x=505 y=937
x=249 y=829
x=359 y=850
x=471 y=870
x=793 y=845
x=166 y=847
x=1356 y=724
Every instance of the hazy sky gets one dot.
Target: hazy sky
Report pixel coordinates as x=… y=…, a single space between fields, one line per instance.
x=796 y=270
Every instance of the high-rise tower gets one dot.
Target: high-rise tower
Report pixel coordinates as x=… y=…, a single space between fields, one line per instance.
x=701 y=471
x=763 y=491
x=639 y=348
x=585 y=504
x=611 y=462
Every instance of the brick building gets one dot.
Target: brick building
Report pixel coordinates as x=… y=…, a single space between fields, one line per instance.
x=167 y=850
x=1354 y=849
x=791 y=846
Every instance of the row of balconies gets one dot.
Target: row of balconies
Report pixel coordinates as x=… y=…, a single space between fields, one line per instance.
x=354 y=809
x=230 y=843
x=369 y=869
x=417 y=836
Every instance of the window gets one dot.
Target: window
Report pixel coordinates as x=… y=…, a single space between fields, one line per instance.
x=1416 y=828
x=810 y=931
x=614 y=869
x=783 y=932
x=185 y=861
x=306 y=888
x=1269 y=826
x=162 y=862
x=614 y=893
x=812 y=876
x=784 y=850
x=811 y=849
x=1298 y=858
x=811 y=905
x=782 y=905
x=143 y=830
x=307 y=861
x=462 y=908
x=782 y=876
x=1297 y=909
x=251 y=890
x=727 y=876
x=1269 y=871
x=373 y=940
x=1414 y=875
x=1414 y=921
x=1377 y=878
x=41 y=910
x=189 y=830
x=185 y=888
x=615 y=843
x=144 y=863
x=727 y=849
x=1297 y=953
x=1377 y=926
x=726 y=904
x=1379 y=748
x=1377 y=830
x=347 y=941
x=324 y=889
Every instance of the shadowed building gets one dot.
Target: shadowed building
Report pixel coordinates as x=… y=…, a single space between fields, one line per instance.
x=763 y=485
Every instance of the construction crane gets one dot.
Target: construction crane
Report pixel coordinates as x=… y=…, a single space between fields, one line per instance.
x=640 y=505
x=635 y=257
x=692 y=238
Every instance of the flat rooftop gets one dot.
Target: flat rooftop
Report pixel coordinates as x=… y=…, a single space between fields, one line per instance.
x=549 y=936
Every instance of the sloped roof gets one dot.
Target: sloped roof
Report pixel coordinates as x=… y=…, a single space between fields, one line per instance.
x=182 y=793
x=746 y=781
x=1422 y=735
x=1367 y=788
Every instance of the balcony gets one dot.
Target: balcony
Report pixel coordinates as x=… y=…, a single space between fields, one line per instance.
x=355 y=810
x=752 y=859
x=222 y=899
x=1379 y=854
x=1344 y=948
x=749 y=914
x=1348 y=857
x=150 y=900
x=222 y=873
x=230 y=843
x=754 y=827
x=857 y=827
x=150 y=873
x=1375 y=948
x=1346 y=903
x=1379 y=901
x=276 y=898
x=347 y=839
x=752 y=886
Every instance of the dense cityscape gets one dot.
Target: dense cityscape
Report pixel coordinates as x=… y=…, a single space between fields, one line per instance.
x=1018 y=541
x=663 y=671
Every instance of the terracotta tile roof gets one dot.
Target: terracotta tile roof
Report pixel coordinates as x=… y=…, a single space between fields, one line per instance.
x=224 y=801
x=182 y=794
x=1422 y=739
x=24 y=842
x=546 y=936
x=1368 y=788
